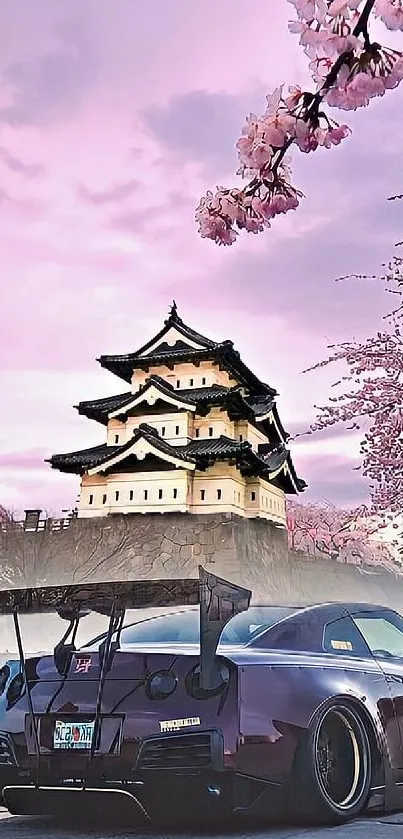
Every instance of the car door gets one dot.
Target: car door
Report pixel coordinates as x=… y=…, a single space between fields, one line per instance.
x=382 y=630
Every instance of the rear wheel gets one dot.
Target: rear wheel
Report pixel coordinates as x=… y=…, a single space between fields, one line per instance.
x=333 y=767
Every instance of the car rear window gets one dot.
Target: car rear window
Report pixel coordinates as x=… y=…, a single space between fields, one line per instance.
x=183 y=627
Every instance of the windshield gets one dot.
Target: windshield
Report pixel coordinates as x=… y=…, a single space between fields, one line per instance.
x=183 y=627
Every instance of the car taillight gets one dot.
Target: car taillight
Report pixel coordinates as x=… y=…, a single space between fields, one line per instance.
x=4 y=677
x=15 y=690
x=220 y=678
x=161 y=685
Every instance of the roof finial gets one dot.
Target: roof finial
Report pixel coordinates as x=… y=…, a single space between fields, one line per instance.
x=173 y=313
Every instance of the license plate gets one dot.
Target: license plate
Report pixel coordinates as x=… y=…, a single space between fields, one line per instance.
x=73 y=735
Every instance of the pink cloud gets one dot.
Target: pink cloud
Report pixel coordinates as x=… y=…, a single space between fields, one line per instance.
x=113 y=123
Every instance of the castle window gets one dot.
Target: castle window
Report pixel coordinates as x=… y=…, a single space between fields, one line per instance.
x=104 y=499
x=116 y=438
x=203 y=380
x=202 y=494
x=160 y=494
x=177 y=430
x=253 y=496
x=197 y=432
x=210 y=431
x=163 y=431
x=145 y=494
x=239 y=497
x=240 y=438
x=191 y=382
x=117 y=495
x=175 y=493
x=178 y=383
x=131 y=495
x=91 y=498
x=218 y=494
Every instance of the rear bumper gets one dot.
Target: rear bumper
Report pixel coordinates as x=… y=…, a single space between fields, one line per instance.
x=189 y=798
x=73 y=801
x=178 y=775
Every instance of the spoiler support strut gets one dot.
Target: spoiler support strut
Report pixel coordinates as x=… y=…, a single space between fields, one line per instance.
x=23 y=666
x=106 y=653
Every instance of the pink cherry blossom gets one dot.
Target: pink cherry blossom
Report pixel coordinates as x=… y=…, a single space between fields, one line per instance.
x=310 y=38
x=308 y=137
x=308 y=10
x=352 y=92
x=255 y=152
x=333 y=135
x=391 y=12
x=370 y=398
x=347 y=536
x=342 y=7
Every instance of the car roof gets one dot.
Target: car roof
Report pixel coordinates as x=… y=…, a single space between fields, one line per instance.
x=343 y=605
x=350 y=606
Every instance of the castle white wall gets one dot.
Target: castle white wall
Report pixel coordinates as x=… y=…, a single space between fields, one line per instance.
x=221 y=488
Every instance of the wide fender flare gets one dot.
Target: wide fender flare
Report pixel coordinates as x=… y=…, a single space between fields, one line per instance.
x=368 y=713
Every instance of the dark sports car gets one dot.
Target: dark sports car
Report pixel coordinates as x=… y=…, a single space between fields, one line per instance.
x=226 y=708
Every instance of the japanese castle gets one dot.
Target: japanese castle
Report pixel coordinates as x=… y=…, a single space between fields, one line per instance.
x=197 y=432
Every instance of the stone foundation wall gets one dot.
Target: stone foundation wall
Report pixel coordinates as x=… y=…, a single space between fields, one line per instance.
x=248 y=551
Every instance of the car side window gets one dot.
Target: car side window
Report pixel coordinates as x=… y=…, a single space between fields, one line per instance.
x=295 y=635
x=342 y=637
x=383 y=632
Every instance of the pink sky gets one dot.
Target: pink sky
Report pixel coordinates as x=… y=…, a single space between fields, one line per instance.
x=115 y=117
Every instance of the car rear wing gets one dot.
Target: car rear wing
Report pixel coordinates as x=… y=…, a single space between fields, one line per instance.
x=219 y=601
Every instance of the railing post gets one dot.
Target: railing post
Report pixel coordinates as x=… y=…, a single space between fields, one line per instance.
x=31 y=520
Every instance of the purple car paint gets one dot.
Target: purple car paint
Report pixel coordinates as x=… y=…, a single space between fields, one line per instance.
x=313 y=695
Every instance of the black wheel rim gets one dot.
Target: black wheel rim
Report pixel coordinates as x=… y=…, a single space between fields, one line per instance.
x=341 y=758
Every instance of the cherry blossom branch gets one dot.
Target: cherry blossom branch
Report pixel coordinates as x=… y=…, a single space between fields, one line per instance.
x=349 y=71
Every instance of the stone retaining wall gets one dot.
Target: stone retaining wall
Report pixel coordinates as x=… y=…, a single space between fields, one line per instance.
x=249 y=551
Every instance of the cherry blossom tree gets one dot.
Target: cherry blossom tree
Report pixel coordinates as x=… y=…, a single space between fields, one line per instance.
x=348 y=69
x=350 y=536
x=5 y=515
x=370 y=399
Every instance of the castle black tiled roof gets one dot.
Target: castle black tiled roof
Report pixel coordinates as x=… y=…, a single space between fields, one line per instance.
x=99 y=409
x=150 y=434
x=186 y=331
x=80 y=461
x=222 y=353
x=238 y=404
x=216 y=447
x=201 y=453
x=207 y=396
x=211 y=395
x=260 y=404
x=274 y=460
